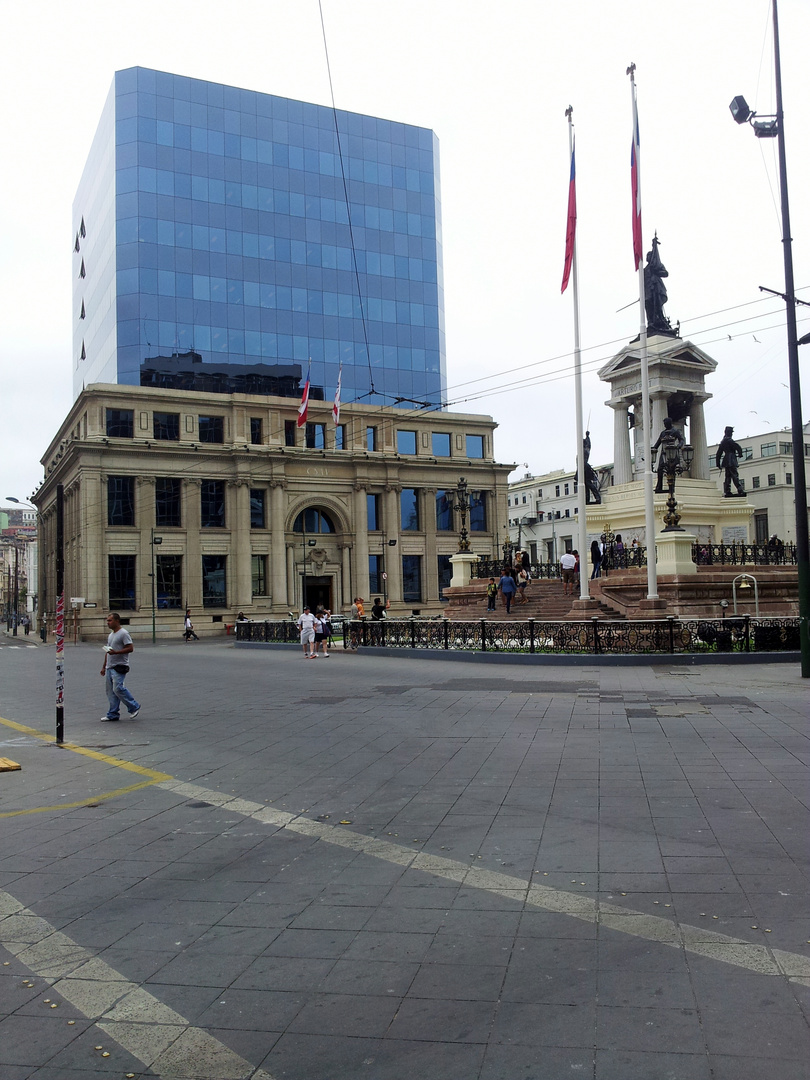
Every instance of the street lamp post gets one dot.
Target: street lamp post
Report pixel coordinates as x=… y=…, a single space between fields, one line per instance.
x=462 y=506
x=676 y=460
x=775 y=128
x=154 y=541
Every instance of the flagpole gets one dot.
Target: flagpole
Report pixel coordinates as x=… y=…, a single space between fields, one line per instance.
x=643 y=447
x=582 y=531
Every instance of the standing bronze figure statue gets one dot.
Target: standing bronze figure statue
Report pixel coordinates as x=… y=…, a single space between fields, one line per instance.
x=655 y=292
x=592 y=492
x=670 y=436
x=728 y=457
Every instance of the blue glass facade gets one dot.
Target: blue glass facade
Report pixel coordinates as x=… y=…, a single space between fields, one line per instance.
x=214 y=219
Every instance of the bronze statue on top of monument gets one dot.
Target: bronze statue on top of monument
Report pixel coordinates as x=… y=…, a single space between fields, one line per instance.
x=655 y=293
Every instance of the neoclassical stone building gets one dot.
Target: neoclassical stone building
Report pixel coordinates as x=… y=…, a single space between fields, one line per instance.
x=220 y=503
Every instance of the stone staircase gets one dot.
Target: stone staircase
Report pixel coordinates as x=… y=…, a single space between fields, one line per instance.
x=545 y=600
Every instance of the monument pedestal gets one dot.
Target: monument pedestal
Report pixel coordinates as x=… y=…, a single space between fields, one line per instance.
x=674 y=553
x=463 y=563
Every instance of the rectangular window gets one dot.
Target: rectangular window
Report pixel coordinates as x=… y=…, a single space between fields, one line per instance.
x=565 y=490
x=167 y=502
x=316 y=436
x=258 y=575
x=166 y=426
x=539 y=493
x=373 y=512
x=409 y=510
x=478 y=511
x=371 y=438
x=406 y=442
x=212 y=504
x=788 y=478
x=169 y=581
x=445 y=571
x=213 y=580
x=444 y=511
x=768 y=450
x=122 y=582
x=785 y=447
x=290 y=428
x=340 y=437
x=568 y=513
x=411 y=578
x=747 y=453
x=256 y=430
x=120 y=423
x=475 y=446
x=771 y=479
x=212 y=429
x=121 y=500
x=257 y=515
x=557 y=490
x=761 y=526
x=441 y=444
x=375 y=572
x=755 y=482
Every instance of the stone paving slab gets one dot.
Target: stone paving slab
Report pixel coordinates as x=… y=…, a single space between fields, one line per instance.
x=380 y=866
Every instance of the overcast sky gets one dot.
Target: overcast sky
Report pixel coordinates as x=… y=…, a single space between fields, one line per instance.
x=493 y=81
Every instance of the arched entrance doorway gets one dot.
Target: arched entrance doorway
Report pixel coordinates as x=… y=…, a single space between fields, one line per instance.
x=315 y=589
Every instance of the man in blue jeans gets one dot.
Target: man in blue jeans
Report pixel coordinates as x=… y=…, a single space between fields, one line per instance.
x=116 y=668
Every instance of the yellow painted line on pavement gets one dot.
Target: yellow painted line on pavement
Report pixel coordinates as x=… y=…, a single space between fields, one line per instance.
x=154 y=777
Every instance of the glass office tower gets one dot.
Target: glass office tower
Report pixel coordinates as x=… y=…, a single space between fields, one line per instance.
x=212 y=222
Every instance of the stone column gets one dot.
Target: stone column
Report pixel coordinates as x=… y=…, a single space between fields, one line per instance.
x=361 y=541
x=241 y=591
x=697 y=437
x=660 y=407
x=278 y=566
x=292 y=584
x=393 y=555
x=145 y=521
x=192 y=570
x=91 y=493
x=430 y=582
x=622 y=465
x=346 y=597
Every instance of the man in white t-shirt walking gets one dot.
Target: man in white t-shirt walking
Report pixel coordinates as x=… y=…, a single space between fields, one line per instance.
x=568 y=565
x=306 y=624
x=115 y=669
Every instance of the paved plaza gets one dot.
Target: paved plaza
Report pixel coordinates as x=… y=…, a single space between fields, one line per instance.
x=389 y=867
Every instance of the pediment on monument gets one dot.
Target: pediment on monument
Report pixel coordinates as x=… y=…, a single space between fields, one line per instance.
x=660 y=350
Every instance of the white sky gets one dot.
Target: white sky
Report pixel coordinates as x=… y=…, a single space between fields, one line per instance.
x=493 y=81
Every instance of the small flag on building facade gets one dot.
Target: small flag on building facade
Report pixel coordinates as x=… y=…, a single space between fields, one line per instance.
x=302 y=408
x=336 y=406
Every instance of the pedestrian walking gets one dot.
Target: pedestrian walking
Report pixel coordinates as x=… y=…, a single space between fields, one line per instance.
x=507 y=589
x=306 y=624
x=596 y=559
x=115 y=669
x=522 y=582
x=188 y=628
x=326 y=624
x=568 y=566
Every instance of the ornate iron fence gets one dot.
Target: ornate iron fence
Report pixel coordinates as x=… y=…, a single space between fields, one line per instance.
x=744 y=554
x=593 y=636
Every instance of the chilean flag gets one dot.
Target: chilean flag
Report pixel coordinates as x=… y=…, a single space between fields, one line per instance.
x=571 y=226
x=336 y=405
x=635 y=182
x=302 y=408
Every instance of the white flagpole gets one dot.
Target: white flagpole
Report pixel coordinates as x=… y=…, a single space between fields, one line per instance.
x=582 y=531
x=643 y=447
